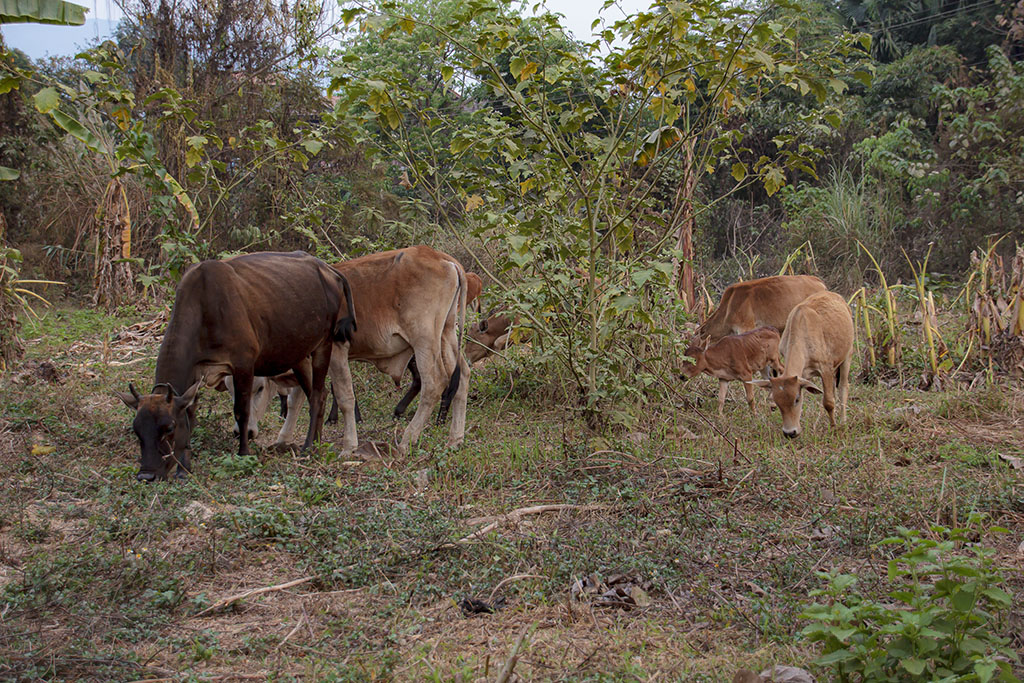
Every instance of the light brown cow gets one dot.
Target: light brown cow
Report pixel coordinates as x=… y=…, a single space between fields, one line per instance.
x=758 y=303
x=735 y=358
x=818 y=341
x=486 y=337
x=410 y=301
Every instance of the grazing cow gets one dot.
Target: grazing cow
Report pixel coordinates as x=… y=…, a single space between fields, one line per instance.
x=758 y=303
x=256 y=314
x=410 y=301
x=735 y=358
x=818 y=341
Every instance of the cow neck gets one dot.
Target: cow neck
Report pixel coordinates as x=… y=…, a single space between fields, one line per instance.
x=796 y=360
x=175 y=363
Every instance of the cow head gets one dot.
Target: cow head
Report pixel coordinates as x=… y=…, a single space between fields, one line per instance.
x=163 y=424
x=695 y=351
x=787 y=392
x=488 y=336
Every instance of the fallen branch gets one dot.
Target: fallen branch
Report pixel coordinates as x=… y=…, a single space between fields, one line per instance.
x=516 y=515
x=510 y=579
x=225 y=602
x=506 y=671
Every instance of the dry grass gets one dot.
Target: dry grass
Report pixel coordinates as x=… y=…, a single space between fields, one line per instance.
x=102 y=578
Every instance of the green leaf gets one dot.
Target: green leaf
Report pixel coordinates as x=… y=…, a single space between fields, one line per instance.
x=54 y=12
x=313 y=146
x=913 y=665
x=835 y=657
x=515 y=67
x=624 y=302
x=46 y=100
x=9 y=173
x=774 y=179
x=985 y=670
x=76 y=129
x=446 y=73
x=739 y=171
x=9 y=83
x=998 y=596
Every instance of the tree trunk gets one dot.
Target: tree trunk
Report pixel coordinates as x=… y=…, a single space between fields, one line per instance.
x=682 y=272
x=113 y=278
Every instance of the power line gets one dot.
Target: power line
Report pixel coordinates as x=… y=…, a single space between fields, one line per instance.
x=935 y=17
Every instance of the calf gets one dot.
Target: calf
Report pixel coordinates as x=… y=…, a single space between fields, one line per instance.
x=735 y=358
x=818 y=340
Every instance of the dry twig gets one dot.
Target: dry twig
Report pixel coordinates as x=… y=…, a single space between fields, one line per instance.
x=225 y=602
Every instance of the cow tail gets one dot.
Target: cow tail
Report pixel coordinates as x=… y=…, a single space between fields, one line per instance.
x=456 y=378
x=346 y=326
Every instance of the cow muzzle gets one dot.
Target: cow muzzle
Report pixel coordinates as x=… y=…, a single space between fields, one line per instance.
x=791 y=433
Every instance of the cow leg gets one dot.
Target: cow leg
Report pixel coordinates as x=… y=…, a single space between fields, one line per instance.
x=321 y=363
x=185 y=458
x=449 y=394
x=458 y=428
x=295 y=399
x=332 y=417
x=243 y=394
x=414 y=389
x=723 y=389
x=748 y=388
x=844 y=387
x=344 y=394
x=828 y=398
x=433 y=379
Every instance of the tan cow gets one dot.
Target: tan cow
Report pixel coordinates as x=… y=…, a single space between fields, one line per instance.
x=735 y=358
x=758 y=303
x=818 y=341
x=409 y=301
x=486 y=337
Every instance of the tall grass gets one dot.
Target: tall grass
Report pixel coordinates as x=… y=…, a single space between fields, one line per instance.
x=838 y=219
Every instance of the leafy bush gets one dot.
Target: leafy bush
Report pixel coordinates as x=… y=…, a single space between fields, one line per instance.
x=939 y=623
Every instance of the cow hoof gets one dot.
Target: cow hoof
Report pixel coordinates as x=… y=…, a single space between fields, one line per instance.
x=181 y=475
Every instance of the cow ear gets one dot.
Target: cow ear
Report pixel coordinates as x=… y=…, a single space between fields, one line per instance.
x=188 y=398
x=763 y=383
x=131 y=399
x=809 y=386
x=483 y=325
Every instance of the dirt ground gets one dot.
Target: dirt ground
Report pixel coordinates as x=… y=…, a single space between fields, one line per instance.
x=662 y=552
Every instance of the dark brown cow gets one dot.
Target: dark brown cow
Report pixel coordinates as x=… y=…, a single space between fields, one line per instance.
x=410 y=301
x=735 y=358
x=765 y=302
x=256 y=314
x=264 y=391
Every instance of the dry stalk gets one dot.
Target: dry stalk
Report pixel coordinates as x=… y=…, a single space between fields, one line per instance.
x=225 y=602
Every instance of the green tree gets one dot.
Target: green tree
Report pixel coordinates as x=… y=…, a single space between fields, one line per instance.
x=578 y=181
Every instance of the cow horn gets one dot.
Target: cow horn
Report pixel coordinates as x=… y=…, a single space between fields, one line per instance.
x=131 y=388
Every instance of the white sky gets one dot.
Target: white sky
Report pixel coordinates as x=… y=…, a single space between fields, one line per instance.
x=39 y=41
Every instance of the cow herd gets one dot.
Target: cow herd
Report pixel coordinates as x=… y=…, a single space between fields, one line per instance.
x=816 y=341
x=270 y=324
